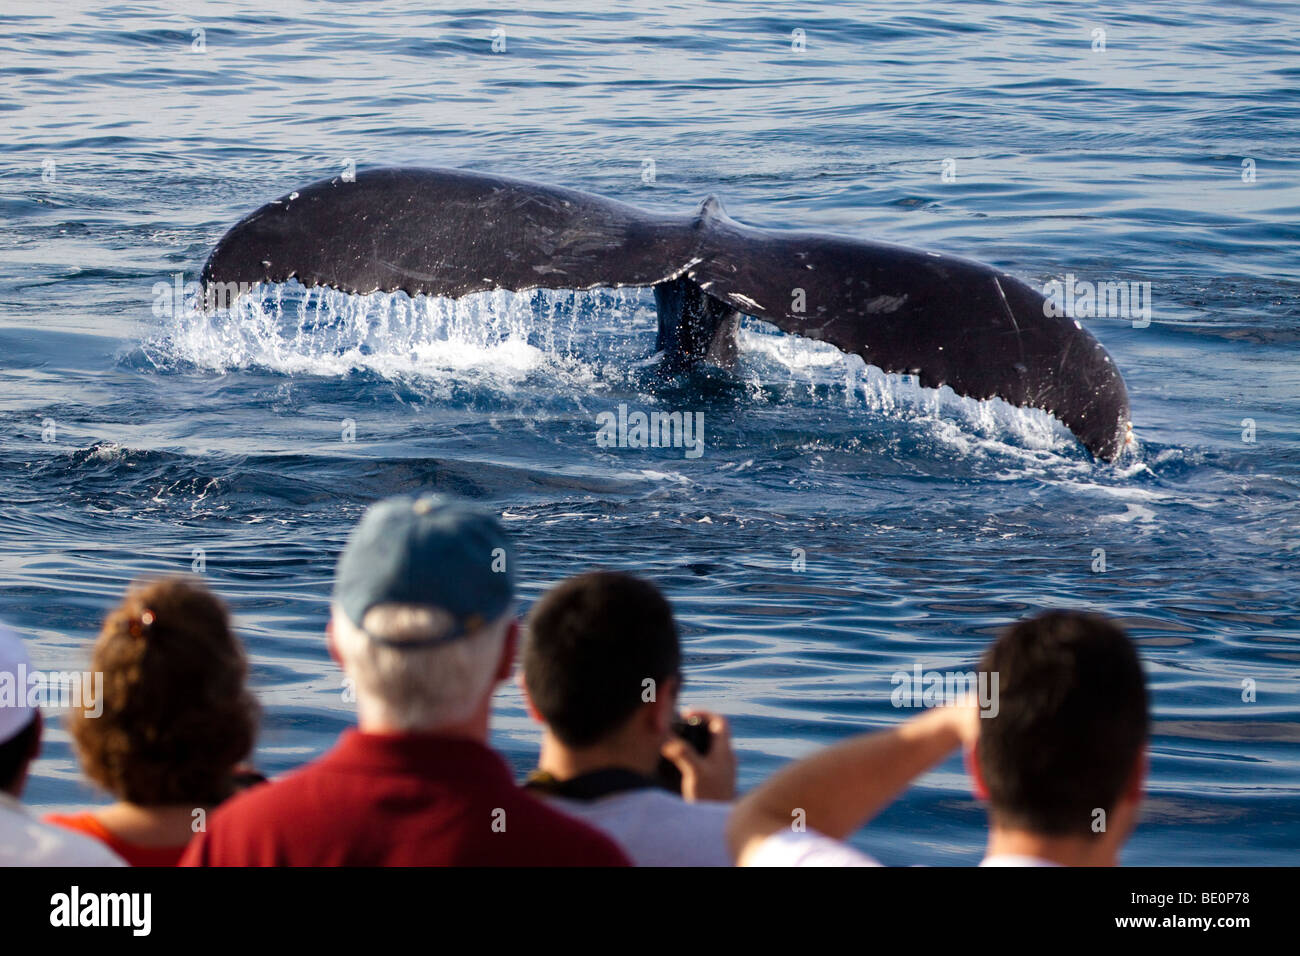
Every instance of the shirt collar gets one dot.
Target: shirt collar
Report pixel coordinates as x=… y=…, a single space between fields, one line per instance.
x=592 y=785
x=429 y=755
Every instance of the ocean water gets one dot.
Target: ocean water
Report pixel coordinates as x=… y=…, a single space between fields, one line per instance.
x=137 y=444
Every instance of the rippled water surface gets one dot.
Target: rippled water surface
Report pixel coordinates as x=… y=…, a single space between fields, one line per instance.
x=926 y=521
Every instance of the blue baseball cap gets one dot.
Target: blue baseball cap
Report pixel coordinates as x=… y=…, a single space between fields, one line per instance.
x=430 y=550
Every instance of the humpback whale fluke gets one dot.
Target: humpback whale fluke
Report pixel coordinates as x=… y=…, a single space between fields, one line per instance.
x=449 y=232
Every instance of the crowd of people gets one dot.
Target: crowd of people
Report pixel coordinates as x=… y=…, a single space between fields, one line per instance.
x=423 y=625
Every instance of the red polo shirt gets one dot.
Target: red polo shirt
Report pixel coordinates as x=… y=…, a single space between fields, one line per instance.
x=397 y=800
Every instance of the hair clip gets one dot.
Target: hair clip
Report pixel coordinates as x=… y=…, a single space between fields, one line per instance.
x=141 y=626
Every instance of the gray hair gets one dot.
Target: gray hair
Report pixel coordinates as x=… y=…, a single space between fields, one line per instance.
x=417 y=688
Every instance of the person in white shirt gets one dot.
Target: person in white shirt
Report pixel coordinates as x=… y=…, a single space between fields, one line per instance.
x=24 y=840
x=602 y=672
x=1059 y=755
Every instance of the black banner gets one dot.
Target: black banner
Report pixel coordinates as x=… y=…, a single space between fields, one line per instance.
x=940 y=905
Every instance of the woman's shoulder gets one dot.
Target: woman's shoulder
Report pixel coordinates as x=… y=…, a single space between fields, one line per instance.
x=133 y=853
x=83 y=821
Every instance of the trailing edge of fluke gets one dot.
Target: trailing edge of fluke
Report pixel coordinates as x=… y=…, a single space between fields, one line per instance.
x=449 y=232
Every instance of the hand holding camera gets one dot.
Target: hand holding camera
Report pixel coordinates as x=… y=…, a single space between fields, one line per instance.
x=700 y=756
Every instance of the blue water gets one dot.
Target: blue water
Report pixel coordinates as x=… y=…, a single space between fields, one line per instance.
x=926 y=521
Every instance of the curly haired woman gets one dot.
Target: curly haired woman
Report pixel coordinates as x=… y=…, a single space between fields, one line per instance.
x=177 y=719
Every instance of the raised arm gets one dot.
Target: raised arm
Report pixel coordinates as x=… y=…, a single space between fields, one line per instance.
x=840 y=788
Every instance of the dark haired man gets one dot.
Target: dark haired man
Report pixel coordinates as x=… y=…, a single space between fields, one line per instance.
x=602 y=672
x=1060 y=761
x=24 y=840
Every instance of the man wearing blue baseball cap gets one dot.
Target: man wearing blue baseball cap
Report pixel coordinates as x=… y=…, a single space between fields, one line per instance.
x=423 y=625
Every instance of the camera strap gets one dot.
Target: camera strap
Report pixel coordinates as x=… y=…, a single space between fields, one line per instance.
x=589 y=786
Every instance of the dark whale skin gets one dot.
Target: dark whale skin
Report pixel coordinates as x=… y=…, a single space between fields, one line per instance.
x=449 y=232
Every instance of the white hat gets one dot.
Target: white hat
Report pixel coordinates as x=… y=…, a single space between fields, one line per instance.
x=14 y=712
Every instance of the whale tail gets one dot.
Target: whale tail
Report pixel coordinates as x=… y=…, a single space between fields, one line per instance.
x=450 y=233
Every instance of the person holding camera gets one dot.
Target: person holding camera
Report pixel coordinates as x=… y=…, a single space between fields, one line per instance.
x=602 y=672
